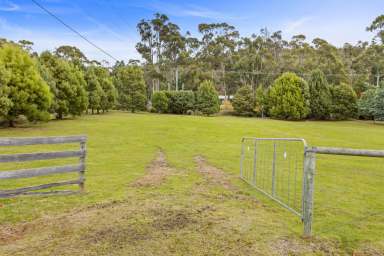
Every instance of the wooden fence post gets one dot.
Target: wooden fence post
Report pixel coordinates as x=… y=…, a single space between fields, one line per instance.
x=309 y=171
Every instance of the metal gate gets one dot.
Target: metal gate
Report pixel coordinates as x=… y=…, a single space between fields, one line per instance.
x=275 y=167
x=283 y=169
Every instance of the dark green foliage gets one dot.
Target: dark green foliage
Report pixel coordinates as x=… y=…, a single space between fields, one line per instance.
x=320 y=95
x=109 y=97
x=106 y=89
x=366 y=104
x=207 y=98
x=344 y=102
x=22 y=89
x=160 y=102
x=67 y=85
x=130 y=84
x=244 y=101
x=379 y=105
x=94 y=90
x=288 y=98
x=261 y=101
x=180 y=101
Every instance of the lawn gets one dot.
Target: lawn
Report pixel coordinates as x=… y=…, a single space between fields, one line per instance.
x=193 y=203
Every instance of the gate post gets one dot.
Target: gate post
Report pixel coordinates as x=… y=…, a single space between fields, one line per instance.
x=308 y=185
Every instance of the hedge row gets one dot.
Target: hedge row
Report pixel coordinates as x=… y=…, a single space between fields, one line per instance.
x=292 y=98
x=204 y=101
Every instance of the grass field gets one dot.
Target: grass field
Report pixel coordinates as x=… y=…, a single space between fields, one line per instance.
x=189 y=201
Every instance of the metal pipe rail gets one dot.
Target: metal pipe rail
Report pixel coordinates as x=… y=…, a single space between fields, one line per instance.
x=308 y=171
x=346 y=151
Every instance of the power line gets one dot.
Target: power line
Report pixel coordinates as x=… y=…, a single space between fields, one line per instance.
x=73 y=30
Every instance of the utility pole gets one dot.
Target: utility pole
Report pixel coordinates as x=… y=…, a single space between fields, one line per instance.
x=378 y=80
x=177 y=78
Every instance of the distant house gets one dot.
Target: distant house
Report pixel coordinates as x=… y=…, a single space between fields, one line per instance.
x=225 y=97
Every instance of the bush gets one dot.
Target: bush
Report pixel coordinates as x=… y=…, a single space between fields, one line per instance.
x=320 y=95
x=180 y=101
x=261 y=101
x=288 y=97
x=366 y=104
x=378 y=105
x=130 y=84
x=207 y=98
x=244 y=101
x=22 y=89
x=160 y=102
x=344 y=102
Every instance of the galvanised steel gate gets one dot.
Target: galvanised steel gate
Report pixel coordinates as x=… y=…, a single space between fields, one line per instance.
x=275 y=167
x=283 y=169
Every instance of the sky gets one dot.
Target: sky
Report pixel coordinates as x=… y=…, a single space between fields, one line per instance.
x=111 y=24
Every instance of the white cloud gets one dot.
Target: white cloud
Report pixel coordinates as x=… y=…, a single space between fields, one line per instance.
x=50 y=40
x=8 y=6
x=295 y=26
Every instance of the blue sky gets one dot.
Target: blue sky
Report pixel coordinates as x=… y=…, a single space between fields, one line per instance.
x=111 y=24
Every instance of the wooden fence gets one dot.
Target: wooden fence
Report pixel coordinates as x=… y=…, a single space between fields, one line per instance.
x=35 y=172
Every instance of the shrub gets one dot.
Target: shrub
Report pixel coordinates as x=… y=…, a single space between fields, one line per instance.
x=244 y=101
x=67 y=84
x=344 y=102
x=131 y=89
x=180 y=101
x=320 y=95
x=22 y=89
x=207 y=98
x=261 y=101
x=378 y=105
x=366 y=104
x=160 y=102
x=288 y=97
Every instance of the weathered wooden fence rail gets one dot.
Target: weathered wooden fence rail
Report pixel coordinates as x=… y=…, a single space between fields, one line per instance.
x=35 y=172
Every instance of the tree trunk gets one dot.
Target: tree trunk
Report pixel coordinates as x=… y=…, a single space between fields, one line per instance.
x=11 y=123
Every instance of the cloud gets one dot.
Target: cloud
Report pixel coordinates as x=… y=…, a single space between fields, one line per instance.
x=187 y=10
x=294 y=26
x=51 y=39
x=8 y=6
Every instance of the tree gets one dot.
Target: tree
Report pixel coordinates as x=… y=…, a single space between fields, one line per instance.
x=94 y=90
x=130 y=84
x=261 y=101
x=378 y=26
x=366 y=104
x=344 y=102
x=244 y=101
x=160 y=102
x=207 y=98
x=180 y=102
x=67 y=85
x=72 y=54
x=378 y=105
x=288 y=98
x=22 y=89
x=320 y=95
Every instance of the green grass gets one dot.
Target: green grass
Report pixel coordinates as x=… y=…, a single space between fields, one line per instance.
x=349 y=197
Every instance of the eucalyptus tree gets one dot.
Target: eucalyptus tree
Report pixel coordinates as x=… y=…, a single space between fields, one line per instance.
x=218 y=44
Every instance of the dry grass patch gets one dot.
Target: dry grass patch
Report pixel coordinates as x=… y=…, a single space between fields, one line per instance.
x=157 y=172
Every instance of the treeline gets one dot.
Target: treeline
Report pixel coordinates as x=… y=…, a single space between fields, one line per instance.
x=63 y=83
x=174 y=60
x=182 y=74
